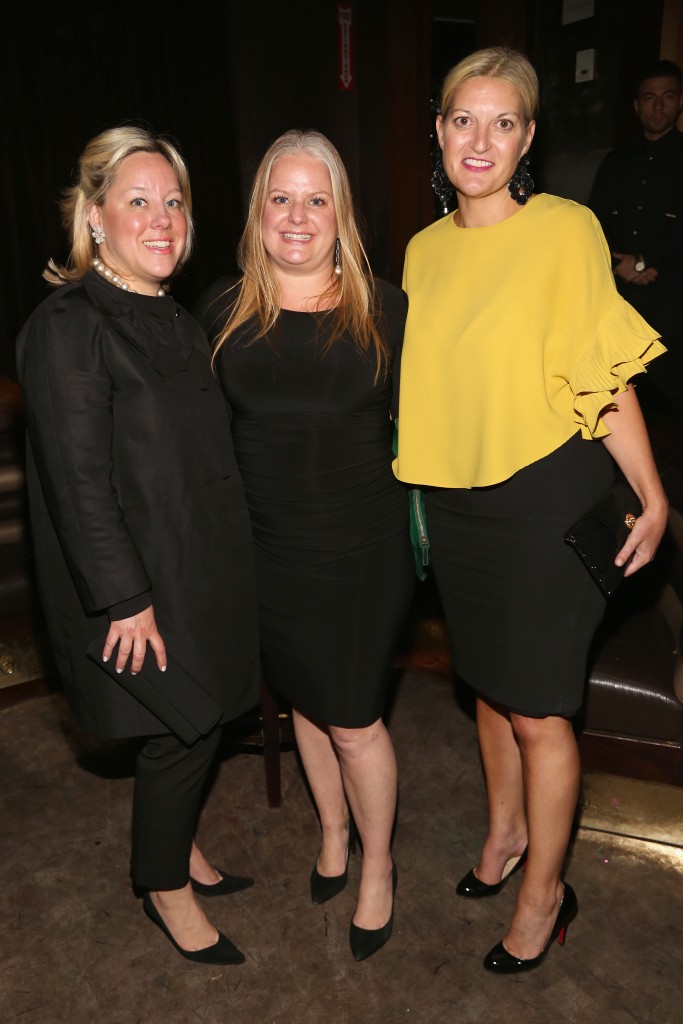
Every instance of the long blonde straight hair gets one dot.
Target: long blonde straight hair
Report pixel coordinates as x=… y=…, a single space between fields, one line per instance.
x=352 y=299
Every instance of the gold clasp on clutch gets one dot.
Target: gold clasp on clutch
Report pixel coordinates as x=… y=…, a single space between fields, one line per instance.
x=630 y=520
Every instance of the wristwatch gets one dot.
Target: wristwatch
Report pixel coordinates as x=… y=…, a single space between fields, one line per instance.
x=639 y=265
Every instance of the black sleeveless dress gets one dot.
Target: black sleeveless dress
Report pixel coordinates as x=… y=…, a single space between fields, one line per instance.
x=335 y=571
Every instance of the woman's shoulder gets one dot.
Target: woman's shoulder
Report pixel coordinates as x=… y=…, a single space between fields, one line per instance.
x=63 y=329
x=435 y=233
x=563 y=211
x=213 y=304
x=391 y=297
x=60 y=305
x=391 y=304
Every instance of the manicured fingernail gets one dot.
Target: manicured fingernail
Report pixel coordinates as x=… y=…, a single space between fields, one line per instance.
x=133 y=673
x=104 y=658
x=119 y=670
x=163 y=668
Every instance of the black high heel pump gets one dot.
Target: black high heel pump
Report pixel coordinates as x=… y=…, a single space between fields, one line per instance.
x=499 y=961
x=221 y=954
x=366 y=941
x=473 y=888
x=224 y=887
x=325 y=887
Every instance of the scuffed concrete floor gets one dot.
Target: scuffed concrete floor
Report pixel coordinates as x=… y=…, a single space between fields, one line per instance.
x=77 y=948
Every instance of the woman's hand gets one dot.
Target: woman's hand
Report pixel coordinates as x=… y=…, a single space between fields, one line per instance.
x=643 y=540
x=629 y=445
x=132 y=635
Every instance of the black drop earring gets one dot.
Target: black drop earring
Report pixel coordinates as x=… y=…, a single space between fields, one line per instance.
x=521 y=184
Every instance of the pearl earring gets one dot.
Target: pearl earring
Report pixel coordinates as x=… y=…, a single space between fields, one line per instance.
x=99 y=235
x=337 y=258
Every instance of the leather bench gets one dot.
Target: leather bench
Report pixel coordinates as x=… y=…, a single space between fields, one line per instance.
x=632 y=722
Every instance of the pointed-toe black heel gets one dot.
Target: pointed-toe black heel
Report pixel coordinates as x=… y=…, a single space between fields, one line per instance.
x=222 y=954
x=474 y=889
x=366 y=941
x=499 y=961
x=326 y=887
x=227 y=885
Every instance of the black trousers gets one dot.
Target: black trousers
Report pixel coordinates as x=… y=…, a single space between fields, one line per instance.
x=169 y=787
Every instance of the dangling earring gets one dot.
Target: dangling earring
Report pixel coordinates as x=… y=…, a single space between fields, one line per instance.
x=441 y=183
x=521 y=184
x=98 y=234
x=337 y=258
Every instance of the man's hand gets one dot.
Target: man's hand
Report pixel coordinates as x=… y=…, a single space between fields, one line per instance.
x=626 y=269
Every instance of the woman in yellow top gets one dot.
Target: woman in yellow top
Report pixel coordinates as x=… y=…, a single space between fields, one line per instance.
x=515 y=405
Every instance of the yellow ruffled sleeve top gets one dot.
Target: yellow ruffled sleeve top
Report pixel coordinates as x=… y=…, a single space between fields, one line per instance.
x=516 y=338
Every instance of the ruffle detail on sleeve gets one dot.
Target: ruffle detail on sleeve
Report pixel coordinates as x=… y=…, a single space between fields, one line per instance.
x=624 y=343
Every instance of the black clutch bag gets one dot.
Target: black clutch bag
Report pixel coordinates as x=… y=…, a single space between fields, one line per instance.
x=602 y=530
x=178 y=700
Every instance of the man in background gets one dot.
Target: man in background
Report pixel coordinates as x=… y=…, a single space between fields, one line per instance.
x=637 y=196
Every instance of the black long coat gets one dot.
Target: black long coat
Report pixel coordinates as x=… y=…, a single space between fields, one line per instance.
x=133 y=487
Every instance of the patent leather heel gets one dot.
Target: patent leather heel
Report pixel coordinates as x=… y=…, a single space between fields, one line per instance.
x=326 y=887
x=500 y=961
x=366 y=941
x=473 y=888
x=222 y=954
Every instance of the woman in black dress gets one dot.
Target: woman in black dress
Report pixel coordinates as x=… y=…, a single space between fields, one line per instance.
x=307 y=350
x=140 y=528
x=516 y=407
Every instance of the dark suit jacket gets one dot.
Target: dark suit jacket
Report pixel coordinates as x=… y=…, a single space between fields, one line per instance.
x=637 y=196
x=135 y=496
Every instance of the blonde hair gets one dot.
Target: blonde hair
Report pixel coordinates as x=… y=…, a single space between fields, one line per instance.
x=495 y=62
x=97 y=168
x=351 y=295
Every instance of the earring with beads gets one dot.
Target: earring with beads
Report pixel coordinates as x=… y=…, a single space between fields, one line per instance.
x=521 y=184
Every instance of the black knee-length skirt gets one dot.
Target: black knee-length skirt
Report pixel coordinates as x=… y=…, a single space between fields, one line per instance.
x=521 y=608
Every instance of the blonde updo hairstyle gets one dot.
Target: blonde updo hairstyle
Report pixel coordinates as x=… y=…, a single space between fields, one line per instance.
x=97 y=168
x=350 y=302
x=495 y=62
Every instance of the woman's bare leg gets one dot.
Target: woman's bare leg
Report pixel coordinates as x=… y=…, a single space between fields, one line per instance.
x=502 y=763
x=323 y=772
x=200 y=869
x=368 y=769
x=552 y=773
x=184 y=918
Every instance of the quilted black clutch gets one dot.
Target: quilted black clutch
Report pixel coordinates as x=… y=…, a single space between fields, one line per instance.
x=602 y=530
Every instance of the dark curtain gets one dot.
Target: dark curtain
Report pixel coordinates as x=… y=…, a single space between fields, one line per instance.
x=70 y=70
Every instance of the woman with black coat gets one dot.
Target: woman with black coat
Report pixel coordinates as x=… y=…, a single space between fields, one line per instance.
x=140 y=528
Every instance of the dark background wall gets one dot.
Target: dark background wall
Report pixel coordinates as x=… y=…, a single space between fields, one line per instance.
x=580 y=121
x=224 y=79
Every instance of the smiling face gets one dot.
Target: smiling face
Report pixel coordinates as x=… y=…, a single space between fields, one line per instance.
x=483 y=134
x=144 y=222
x=658 y=105
x=299 y=223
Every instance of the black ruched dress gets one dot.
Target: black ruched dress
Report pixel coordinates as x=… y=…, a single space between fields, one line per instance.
x=335 y=571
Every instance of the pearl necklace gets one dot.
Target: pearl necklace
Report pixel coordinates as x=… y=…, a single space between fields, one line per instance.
x=108 y=274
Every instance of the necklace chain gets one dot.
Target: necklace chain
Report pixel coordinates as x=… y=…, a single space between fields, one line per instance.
x=108 y=274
